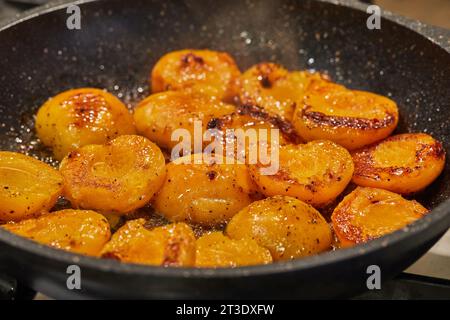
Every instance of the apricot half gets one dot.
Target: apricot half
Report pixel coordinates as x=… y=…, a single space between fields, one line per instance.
x=244 y=132
x=369 y=213
x=78 y=117
x=350 y=118
x=118 y=177
x=79 y=231
x=28 y=186
x=213 y=73
x=286 y=226
x=216 y=250
x=170 y=245
x=403 y=163
x=200 y=189
x=315 y=172
x=273 y=88
x=160 y=115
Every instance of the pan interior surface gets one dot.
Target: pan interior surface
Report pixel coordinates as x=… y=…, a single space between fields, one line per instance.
x=119 y=42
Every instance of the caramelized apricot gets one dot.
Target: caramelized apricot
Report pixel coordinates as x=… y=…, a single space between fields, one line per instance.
x=79 y=117
x=170 y=245
x=119 y=177
x=214 y=250
x=315 y=172
x=79 y=231
x=158 y=116
x=350 y=118
x=369 y=213
x=210 y=72
x=243 y=132
x=28 y=186
x=199 y=189
x=275 y=89
x=254 y=117
x=288 y=227
x=404 y=163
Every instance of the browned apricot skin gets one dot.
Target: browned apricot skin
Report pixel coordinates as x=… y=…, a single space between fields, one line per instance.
x=79 y=231
x=369 y=213
x=273 y=88
x=158 y=116
x=404 y=163
x=210 y=72
x=170 y=245
x=79 y=117
x=350 y=118
x=252 y=116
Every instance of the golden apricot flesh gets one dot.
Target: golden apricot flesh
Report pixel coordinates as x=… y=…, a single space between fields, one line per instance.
x=286 y=226
x=169 y=245
x=79 y=117
x=160 y=115
x=403 y=163
x=117 y=177
x=315 y=172
x=209 y=72
x=214 y=250
x=204 y=190
x=350 y=118
x=273 y=88
x=79 y=231
x=369 y=213
x=28 y=186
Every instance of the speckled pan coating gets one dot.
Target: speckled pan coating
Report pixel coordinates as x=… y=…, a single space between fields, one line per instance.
x=116 y=48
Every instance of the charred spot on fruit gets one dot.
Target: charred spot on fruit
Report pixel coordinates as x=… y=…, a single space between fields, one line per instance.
x=322 y=119
x=86 y=108
x=286 y=128
x=191 y=60
x=211 y=175
x=111 y=255
x=437 y=150
x=73 y=154
x=265 y=81
x=213 y=123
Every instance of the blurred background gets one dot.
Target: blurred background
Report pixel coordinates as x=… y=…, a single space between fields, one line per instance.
x=435 y=12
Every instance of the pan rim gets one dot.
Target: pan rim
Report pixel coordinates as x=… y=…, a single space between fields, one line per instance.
x=419 y=27
x=438 y=218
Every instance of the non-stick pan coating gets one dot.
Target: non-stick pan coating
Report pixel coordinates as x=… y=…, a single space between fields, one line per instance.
x=117 y=45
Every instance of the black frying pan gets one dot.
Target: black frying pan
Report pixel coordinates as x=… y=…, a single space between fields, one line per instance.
x=115 y=49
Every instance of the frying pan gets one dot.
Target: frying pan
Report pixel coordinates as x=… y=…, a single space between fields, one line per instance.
x=117 y=45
